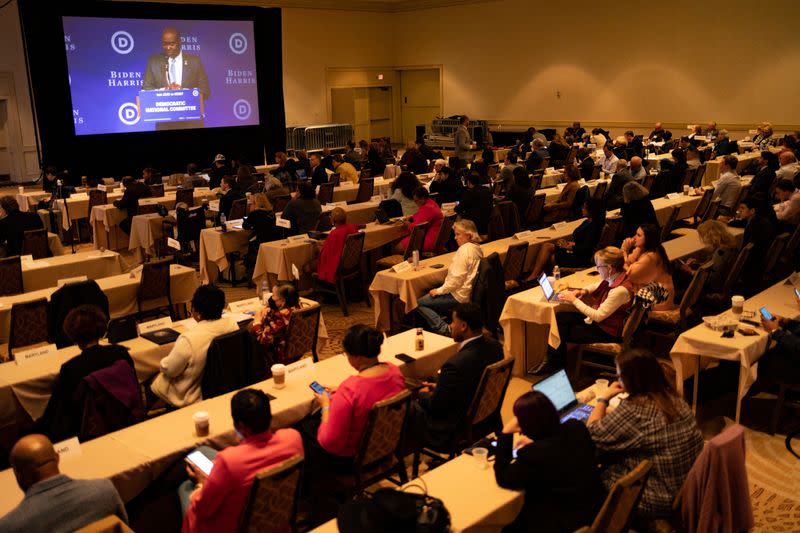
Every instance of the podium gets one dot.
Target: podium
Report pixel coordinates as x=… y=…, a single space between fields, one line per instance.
x=166 y=105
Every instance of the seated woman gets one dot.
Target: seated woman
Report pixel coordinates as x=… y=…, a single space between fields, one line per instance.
x=561 y=209
x=427 y=211
x=403 y=189
x=178 y=382
x=609 y=301
x=270 y=323
x=721 y=250
x=576 y=252
x=457 y=286
x=85 y=326
x=329 y=251
x=637 y=209
x=652 y=423
x=646 y=262
x=303 y=210
x=262 y=219
x=331 y=440
x=555 y=466
x=520 y=192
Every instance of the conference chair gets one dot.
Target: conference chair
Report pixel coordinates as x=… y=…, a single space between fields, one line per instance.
x=666 y=229
x=302 y=333
x=713 y=210
x=510 y=214
x=442 y=238
x=595 y=173
x=415 y=242
x=611 y=349
x=688 y=177
x=185 y=196
x=349 y=268
x=366 y=188
x=621 y=503
x=670 y=324
x=35 y=243
x=379 y=451
x=324 y=222
x=577 y=204
x=154 y=289
x=273 y=498
x=648 y=181
x=28 y=324
x=147 y=209
x=68 y=297
x=610 y=232
x=325 y=194
x=238 y=209
x=537 y=177
x=109 y=524
x=497 y=228
x=718 y=301
x=535 y=213
x=514 y=265
x=280 y=202
x=699 y=211
x=185 y=228
x=484 y=409
x=787 y=260
x=156 y=191
x=774 y=252
x=488 y=292
x=233 y=361
x=600 y=190
x=698 y=176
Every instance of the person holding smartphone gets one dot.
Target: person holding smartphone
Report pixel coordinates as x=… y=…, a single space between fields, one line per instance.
x=781 y=362
x=213 y=500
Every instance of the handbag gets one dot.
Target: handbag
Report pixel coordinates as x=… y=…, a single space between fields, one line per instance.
x=390 y=510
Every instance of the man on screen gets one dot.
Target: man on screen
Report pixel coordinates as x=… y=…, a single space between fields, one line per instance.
x=173 y=69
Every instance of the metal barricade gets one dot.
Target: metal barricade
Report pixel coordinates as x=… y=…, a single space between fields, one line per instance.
x=332 y=136
x=446 y=127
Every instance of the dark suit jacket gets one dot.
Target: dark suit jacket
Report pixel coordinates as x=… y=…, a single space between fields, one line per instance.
x=13 y=228
x=476 y=205
x=446 y=407
x=449 y=190
x=130 y=198
x=760 y=231
x=636 y=213
x=194 y=75
x=614 y=193
x=762 y=181
x=560 y=478
x=227 y=199
x=318 y=175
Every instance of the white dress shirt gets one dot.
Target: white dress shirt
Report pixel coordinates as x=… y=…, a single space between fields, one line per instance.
x=609 y=164
x=787 y=172
x=462 y=272
x=789 y=211
x=727 y=189
x=616 y=297
x=175 y=67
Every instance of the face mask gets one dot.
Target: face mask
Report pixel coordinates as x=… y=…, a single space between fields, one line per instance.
x=272 y=304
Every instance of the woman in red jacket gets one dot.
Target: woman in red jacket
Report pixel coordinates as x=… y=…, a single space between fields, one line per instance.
x=430 y=212
x=327 y=262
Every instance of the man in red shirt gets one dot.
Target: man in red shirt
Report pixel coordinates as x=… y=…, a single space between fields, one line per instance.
x=215 y=502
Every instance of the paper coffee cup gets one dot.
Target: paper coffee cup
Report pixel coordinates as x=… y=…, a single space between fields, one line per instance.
x=279 y=375
x=601 y=385
x=686 y=190
x=201 y=424
x=737 y=303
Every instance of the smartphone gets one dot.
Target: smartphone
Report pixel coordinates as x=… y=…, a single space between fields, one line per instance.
x=494 y=447
x=766 y=314
x=404 y=357
x=319 y=389
x=594 y=273
x=203 y=463
x=437 y=265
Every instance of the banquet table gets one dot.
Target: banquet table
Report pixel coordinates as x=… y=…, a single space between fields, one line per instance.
x=346 y=191
x=700 y=344
x=529 y=323
x=411 y=284
x=43 y=273
x=120 y=290
x=712 y=166
x=215 y=245
x=134 y=457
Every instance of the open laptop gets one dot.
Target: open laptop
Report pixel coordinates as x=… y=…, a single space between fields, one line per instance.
x=547 y=288
x=559 y=390
x=301 y=174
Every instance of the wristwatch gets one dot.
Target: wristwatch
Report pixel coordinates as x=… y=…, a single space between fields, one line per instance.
x=604 y=401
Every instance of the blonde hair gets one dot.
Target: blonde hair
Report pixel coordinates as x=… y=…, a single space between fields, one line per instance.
x=338 y=216
x=715 y=234
x=467 y=226
x=260 y=201
x=633 y=191
x=612 y=257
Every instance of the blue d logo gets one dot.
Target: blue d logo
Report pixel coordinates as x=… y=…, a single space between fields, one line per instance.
x=122 y=42
x=237 y=43
x=128 y=114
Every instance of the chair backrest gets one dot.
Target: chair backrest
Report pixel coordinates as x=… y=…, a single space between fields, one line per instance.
x=157 y=191
x=28 y=324
x=280 y=202
x=496 y=229
x=571 y=155
x=301 y=333
x=147 y=209
x=366 y=187
x=488 y=290
x=577 y=204
x=444 y=234
x=324 y=222
x=632 y=323
x=535 y=210
x=595 y=173
x=745 y=190
x=736 y=269
x=514 y=262
x=417 y=239
x=185 y=196
x=155 y=282
x=695 y=288
x=336 y=179
x=689 y=176
x=647 y=183
x=774 y=252
x=190 y=224
x=702 y=205
x=537 y=176
x=384 y=430
x=109 y=524
x=68 y=297
x=712 y=211
x=97 y=197
x=600 y=190
x=610 y=231
x=491 y=390
x=792 y=245
x=325 y=195
x=233 y=361
x=274 y=495
x=545 y=163
x=238 y=209
x=10 y=275
x=35 y=243
x=350 y=260
x=510 y=214
x=698 y=176
x=666 y=229
x=105 y=410
x=623 y=498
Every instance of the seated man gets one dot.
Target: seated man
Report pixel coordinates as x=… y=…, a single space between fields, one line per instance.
x=54 y=502
x=134 y=191
x=729 y=185
x=215 y=502
x=780 y=362
x=230 y=193
x=443 y=403
x=14 y=223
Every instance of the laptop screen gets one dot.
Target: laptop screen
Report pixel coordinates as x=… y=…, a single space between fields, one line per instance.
x=558 y=388
x=546 y=287
x=301 y=174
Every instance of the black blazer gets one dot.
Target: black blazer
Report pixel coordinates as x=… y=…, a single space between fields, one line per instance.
x=194 y=75
x=130 y=198
x=318 y=175
x=262 y=222
x=560 y=478
x=227 y=199
x=762 y=181
x=613 y=196
x=446 y=407
x=13 y=228
x=449 y=190
x=476 y=205
x=636 y=213
x=62 y=417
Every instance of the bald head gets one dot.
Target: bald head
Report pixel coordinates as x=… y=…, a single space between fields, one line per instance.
x=636 y=163
x=658 y=126
x=787 y=158
x=33 y=459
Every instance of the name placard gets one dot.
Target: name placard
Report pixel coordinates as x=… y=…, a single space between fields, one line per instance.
x=283 y=223
x=64 y=281
x=68 y=448
x=172 y=243
x=244 y=305
x=558 y=225
x=346 y=184
x=523 y=234
x=102 y=187
x=297 y=238
x=304 y=365
x=402 y=266
x=26 y=356
x=331 y=205
x=148 y=201
x=154 y=325
x=79 y=196
x=203 y=189
x=449 y=206
x=376 y=199
x=26 y=257
x=672 y=196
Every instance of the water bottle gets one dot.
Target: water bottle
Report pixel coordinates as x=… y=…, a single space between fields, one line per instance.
x=556 y=273
x=263 y=294
x=420 y=340
x=415 y=259
x=222 y=222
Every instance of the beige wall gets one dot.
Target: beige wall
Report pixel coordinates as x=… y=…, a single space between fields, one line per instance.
x=679 y=61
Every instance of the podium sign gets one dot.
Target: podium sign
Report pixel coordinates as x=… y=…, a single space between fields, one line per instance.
x=170 y=105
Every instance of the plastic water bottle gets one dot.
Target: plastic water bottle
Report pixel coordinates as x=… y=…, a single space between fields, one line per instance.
x=556 y=273
x=420 y=340
x=415 y=259
x=223 y=223
x=263 y=293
